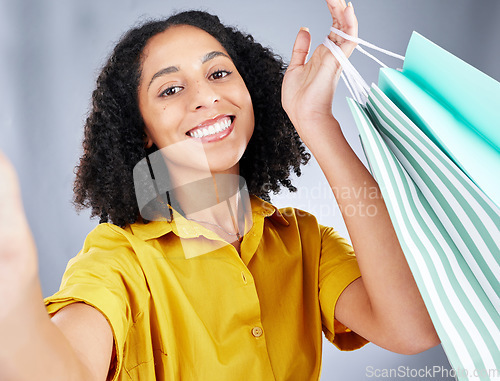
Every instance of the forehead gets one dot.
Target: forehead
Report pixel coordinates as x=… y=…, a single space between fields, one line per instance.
x=177 y=44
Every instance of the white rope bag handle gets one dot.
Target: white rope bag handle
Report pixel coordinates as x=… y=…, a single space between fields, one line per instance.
x=354 y=81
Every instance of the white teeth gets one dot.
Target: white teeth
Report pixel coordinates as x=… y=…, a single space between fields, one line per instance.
x=211 y=130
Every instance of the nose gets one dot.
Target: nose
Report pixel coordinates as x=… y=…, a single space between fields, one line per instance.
x=205 y=95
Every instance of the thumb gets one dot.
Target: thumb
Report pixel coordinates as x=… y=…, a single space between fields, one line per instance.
x=300 y=49
x=10 y=192
x=9 y=185
x=16 y=240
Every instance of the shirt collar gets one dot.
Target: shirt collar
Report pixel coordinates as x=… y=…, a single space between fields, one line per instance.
x=184 y=228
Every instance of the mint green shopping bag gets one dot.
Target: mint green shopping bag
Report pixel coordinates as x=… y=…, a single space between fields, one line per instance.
x=446 y=223
x=456 y=105
x=414 y=176
x=470 y=94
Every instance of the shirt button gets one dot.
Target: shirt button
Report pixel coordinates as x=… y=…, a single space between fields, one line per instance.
x=244 y=277
x=257 y=331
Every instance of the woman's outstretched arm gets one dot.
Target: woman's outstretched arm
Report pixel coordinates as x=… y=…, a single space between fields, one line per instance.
x=75 y=344
x=384 y=305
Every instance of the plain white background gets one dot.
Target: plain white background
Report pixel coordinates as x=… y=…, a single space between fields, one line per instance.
x=51 y=52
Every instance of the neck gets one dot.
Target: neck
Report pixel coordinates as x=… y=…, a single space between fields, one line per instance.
x=212 y=199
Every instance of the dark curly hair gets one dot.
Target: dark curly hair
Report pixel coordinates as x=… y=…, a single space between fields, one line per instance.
x=114 y=130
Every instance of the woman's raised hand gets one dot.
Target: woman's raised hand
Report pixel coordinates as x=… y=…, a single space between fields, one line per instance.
x=308 y=87
x=18 y=254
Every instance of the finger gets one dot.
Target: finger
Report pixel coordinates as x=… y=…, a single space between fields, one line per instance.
x=351 y=28
x=300 y=49
x=336 y=8
x=10 y=197
x=9 y=184
x=351 y=22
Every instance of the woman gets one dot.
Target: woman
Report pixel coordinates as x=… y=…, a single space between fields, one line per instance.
x=146 y=299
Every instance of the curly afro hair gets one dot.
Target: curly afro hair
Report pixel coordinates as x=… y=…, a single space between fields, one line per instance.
x=114 y=130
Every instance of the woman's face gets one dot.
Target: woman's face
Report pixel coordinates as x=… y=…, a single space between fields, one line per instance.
x=192 y=98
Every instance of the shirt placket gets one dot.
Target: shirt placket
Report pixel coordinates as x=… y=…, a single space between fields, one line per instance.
x=253 y=326
x=256 y=331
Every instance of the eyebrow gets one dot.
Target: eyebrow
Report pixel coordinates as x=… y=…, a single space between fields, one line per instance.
x=173 y=69
x=212 y=55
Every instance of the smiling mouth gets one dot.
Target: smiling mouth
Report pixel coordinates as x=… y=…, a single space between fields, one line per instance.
x=220 y=128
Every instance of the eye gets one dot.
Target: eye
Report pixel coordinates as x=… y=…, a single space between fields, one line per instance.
x=170 y=91
x=219 y=74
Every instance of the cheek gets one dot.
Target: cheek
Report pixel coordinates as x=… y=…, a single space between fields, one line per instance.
x=163 y=128
x=239 y=92
x=249 y=122
x=251 y=115
x=245 y=94
x=166 y=118
x=244 y=100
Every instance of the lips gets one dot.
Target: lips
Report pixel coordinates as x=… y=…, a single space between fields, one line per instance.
x=213 y=129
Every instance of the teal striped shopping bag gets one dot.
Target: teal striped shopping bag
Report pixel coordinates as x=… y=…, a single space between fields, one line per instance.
x=448 y=230
x=432 y=144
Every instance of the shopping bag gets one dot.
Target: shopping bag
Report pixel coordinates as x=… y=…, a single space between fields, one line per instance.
x=470 y=94
x=475 y=153
x=456 y=105
x=463 y=311
x=447 y=226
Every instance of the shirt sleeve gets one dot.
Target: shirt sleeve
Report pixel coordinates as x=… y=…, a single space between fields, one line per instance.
x=103 y=276
x=337 y=269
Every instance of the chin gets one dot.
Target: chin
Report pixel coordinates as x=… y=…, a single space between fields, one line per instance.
x=225 y=159
x=221 y=167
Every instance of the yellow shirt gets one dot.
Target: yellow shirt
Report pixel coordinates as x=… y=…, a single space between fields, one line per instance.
x=216 y=316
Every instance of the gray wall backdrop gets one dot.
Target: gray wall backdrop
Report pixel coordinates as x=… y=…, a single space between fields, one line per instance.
x=51 y=52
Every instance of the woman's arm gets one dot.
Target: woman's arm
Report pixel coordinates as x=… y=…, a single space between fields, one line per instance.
x=75 y=344
x=384 y=305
